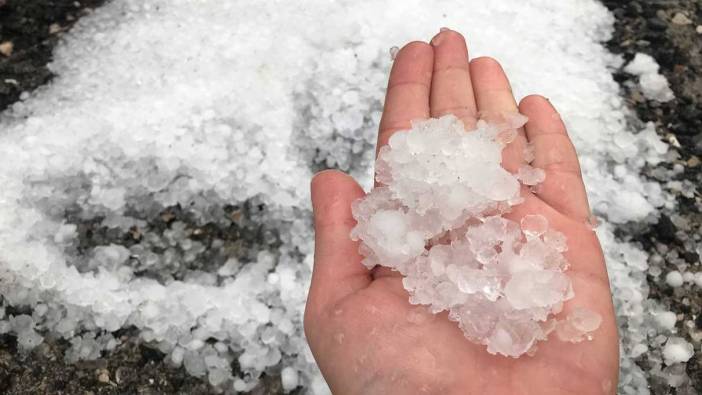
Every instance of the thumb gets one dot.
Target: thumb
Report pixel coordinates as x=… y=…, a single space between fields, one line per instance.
x=337 y=264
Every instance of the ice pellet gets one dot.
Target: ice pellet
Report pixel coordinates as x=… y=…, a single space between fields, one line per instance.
x=674 y=279
x=676 y=350
x=698 y=279
x=653 y=85
x=289 y=379
x=529 y=175
x=666 y=319
x=534 y=225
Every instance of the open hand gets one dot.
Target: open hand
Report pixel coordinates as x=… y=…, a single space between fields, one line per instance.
x=364 y=334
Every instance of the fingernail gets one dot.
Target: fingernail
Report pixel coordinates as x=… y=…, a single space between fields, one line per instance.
x=316 y=177
x=436 y=40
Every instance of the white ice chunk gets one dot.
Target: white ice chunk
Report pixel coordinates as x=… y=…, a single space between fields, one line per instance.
x=537 y=288
x=653 y=85
x=698 y=279
x=578 y=325
x=676 y=350
x=675 y=375
x=534 y=225
x=666 y=319
x=289 y=379
x=674 y=279
x=584 y=320
x=529 y=175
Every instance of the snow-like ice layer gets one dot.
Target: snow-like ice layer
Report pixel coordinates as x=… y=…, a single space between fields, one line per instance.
x=212 y=103
x=654 y=86
x=437 y=219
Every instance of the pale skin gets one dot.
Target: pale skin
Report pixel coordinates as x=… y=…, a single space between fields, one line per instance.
x=365 y=335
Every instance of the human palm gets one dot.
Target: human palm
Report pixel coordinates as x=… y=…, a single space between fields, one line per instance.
x=365 y=335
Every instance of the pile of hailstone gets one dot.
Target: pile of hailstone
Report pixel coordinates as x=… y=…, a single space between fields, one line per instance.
x=269 y=92
x=438 y=220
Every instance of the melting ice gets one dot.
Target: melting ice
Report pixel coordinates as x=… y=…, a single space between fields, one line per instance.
x=437 y=218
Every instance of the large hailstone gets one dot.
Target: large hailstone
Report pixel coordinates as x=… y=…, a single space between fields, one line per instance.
x=437 y=219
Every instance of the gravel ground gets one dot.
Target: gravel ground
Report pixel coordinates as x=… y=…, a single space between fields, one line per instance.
x=670 y=32
x=134 y=367
x=29 y=30
x=667 y=30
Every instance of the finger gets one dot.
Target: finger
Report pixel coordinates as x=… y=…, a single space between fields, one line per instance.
x=451 y=87
x=407 y=96
x=493 y=96
x=337 y=263
x=563 y=187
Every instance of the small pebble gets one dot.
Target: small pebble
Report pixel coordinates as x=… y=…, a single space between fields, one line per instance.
x=6 y=48
x=657 y=24
x=103 y=376
x=681 y=19
x=55 y=28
